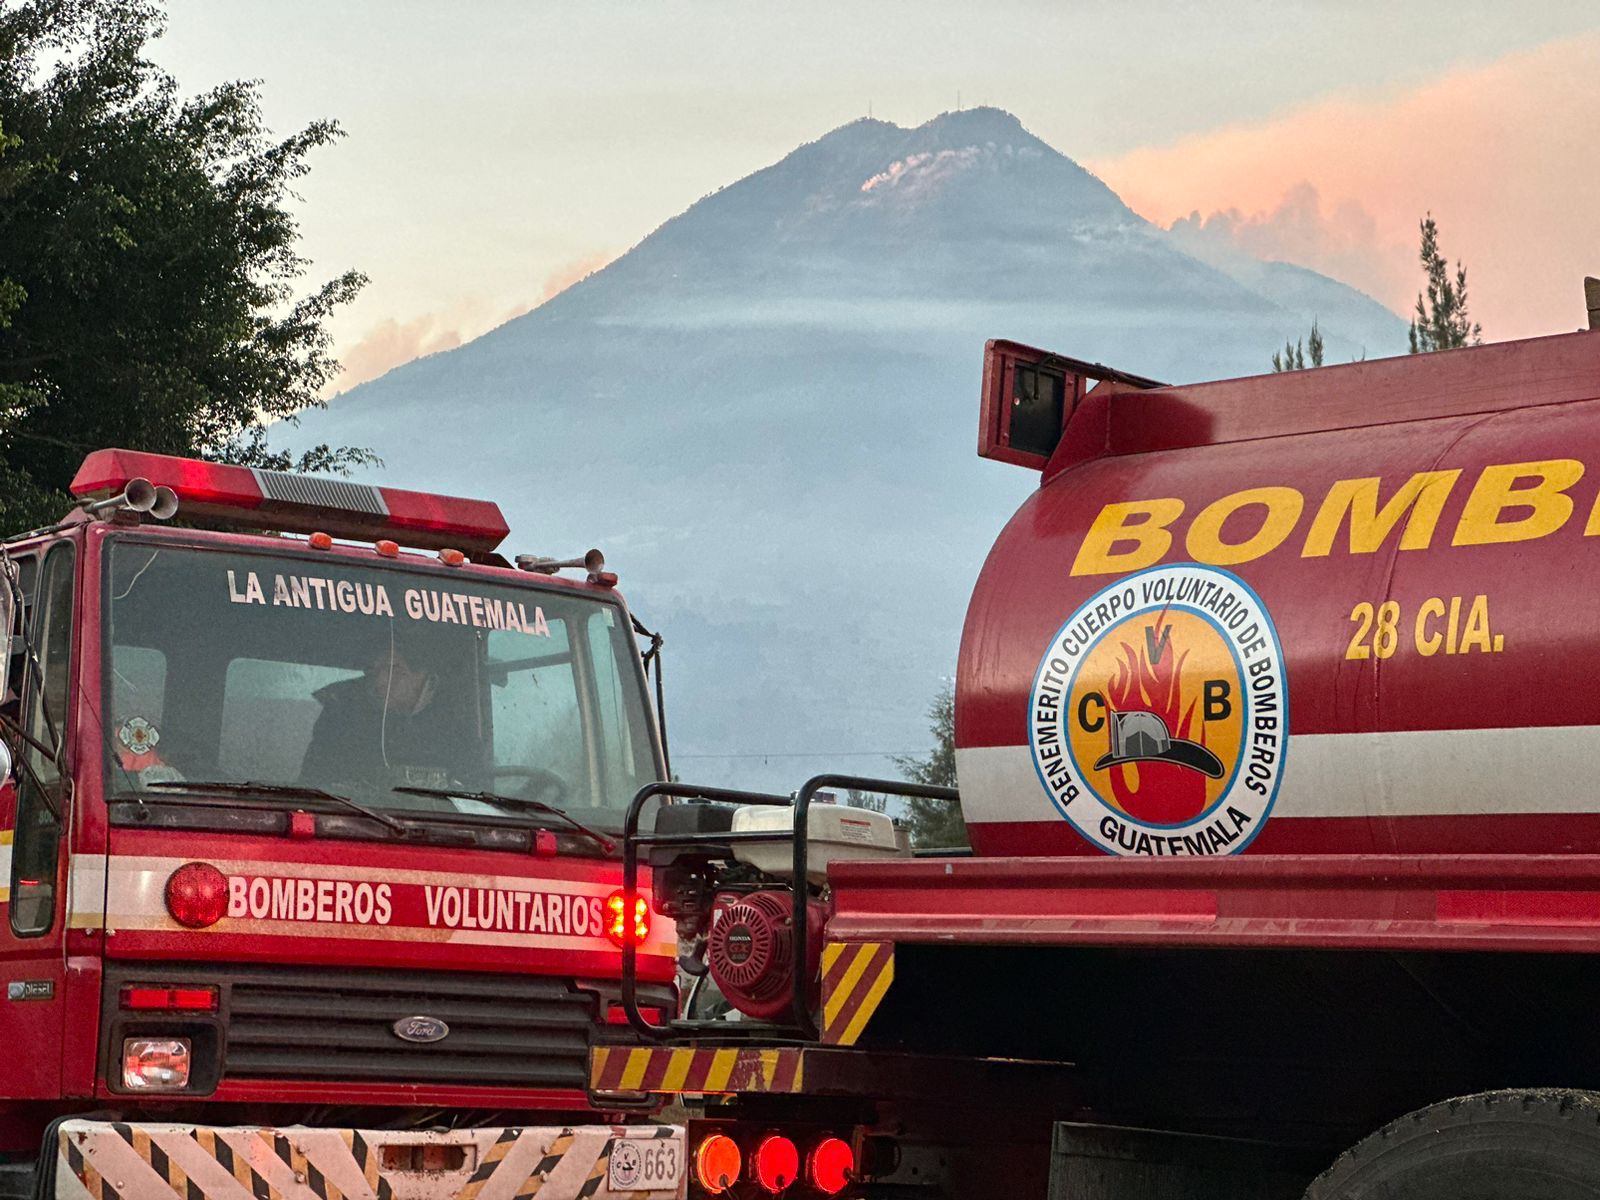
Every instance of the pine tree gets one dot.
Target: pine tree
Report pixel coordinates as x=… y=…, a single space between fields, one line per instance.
x=936 y=824
x=1293 y=357
x=1441 y=322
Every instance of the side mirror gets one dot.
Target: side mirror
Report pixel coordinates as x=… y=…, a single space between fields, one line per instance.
x=8 y=628
x=6 y=763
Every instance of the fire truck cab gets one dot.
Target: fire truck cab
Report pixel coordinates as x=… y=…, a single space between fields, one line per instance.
x=311 y=881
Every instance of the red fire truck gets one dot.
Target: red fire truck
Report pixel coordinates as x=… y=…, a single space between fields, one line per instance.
x=310 y=844
x=1277 y=728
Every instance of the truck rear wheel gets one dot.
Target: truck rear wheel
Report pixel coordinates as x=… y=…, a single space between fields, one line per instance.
x=1536 y=1144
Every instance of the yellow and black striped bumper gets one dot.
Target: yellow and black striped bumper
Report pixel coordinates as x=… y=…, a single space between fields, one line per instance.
x=855 y=978
x=690 y=1069
x=101 y=1160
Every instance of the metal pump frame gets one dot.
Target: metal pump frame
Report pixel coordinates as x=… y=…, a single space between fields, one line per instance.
x=803 y=1024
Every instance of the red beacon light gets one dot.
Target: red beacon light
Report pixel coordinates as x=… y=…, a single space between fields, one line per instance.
x=245 y=497
x=197 y=895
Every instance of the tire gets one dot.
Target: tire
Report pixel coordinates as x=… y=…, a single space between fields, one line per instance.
x=1537 y=1144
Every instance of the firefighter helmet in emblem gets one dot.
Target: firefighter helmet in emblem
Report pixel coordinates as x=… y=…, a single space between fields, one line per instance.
x=1159 y=715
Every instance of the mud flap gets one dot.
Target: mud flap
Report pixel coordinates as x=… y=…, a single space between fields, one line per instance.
x=101 y=1160
x=1093 y=1162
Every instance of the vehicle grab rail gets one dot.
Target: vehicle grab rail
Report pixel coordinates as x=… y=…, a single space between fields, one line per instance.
x=803 y=1022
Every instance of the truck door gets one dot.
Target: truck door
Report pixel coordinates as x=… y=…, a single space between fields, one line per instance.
x=32 y=807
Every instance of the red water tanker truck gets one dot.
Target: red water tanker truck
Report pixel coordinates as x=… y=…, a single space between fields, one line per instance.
x=1278 y=736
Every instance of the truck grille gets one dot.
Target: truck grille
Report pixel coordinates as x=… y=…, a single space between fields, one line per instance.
x=507 y=1031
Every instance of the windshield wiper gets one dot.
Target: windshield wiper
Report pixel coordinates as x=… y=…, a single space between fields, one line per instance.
x=516 y=804
x=288 y=791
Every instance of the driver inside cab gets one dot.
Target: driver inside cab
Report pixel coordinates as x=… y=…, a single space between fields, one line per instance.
x=398 y=723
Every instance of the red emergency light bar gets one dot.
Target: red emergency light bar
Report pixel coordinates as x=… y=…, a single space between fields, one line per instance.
x=256 y=499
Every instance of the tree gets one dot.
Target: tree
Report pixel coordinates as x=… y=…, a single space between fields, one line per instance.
x=148 y=263
x=936 y=823
x=1293 y=357
x=1441 y=322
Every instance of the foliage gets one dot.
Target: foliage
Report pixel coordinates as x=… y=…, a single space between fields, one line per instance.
x=1293 y=357
x=1441 y=322
x=936 y=823
x=147 y=260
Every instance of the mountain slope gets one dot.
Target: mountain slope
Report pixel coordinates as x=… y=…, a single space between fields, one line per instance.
x=765 y=414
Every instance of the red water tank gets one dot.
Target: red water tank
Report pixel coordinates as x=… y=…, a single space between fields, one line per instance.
x=1345 y=610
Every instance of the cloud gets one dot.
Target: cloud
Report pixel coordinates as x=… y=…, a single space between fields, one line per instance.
x=573 y=272
x=392 y=343
x=1344 y=241
x=1502 y=154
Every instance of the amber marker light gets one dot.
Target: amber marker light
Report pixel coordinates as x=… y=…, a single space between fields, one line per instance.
x=617 y=925
x=717 y=1163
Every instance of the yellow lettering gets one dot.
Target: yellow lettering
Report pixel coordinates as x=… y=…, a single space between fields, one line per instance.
x=1143 y=523
x=1502 y=487
x=1283 y=507
x=1423 y=496
x=1428 y=643
x=1593 y=527
x=1476 y=635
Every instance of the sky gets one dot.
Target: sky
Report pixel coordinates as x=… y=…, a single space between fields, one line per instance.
x=499 y=150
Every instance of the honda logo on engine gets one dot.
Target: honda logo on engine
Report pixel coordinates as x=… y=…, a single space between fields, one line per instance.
x=420 y=1029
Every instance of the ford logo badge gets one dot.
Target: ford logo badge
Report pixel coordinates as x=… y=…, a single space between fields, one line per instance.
x=420 y=1029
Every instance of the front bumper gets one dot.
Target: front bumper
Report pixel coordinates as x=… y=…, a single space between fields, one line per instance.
x=103 y=1160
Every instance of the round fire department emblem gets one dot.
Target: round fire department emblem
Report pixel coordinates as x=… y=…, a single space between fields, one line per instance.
x=1159 y=716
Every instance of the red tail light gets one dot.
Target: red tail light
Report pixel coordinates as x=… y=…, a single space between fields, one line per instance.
x=830 y=1166
x=775 y=1164
x=717 y=1164
x=197 y=895
x=618 y=927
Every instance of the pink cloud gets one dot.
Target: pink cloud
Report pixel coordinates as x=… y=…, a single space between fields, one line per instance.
x=391 y=343
x=573 y=272
x=1343 y=242
x=1501 y=154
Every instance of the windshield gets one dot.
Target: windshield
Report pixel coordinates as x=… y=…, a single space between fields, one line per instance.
x=225 y=666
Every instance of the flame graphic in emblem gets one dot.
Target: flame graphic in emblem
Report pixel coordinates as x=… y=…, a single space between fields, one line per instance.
x=1161 y=793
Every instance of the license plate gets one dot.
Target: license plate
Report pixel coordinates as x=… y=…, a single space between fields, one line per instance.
x=645 y=1165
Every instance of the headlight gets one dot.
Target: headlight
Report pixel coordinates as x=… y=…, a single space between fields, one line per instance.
x=155 y=1064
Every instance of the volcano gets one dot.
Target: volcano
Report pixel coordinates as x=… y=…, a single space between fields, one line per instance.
x=765 y=414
